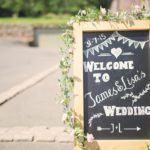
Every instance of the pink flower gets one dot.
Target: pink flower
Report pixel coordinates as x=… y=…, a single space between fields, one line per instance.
x=90 y=137
x=137 y=8
x=71 y=51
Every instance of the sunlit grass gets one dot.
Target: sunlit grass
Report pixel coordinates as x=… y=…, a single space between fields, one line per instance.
x=50 y=19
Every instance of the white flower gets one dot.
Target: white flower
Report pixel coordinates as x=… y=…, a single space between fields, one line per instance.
x=100 y=17
x=103 y=11
x=72 y=119
x=63 y=59
x=64 y=117
x=117 y=13
x=83 y=12
x=70 y=23
x=90 y=137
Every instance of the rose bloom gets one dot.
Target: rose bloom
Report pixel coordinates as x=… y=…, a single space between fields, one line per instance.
x=90 y=137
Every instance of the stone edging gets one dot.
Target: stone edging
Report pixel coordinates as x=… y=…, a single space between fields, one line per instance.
x=35 y=134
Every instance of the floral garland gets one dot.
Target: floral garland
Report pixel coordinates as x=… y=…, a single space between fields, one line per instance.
x=66 y=80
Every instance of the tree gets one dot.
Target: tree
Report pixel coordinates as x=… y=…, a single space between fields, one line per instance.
x=42 y=7
x=14 y=5
x=73 y=6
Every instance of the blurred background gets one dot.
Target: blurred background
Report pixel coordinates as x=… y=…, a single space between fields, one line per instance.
x=46 y=8
x=44 y=14
x=36 y=8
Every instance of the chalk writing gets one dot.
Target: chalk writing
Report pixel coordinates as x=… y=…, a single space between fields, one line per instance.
x=126 y=111
x=119 y=86
x=116 y=84
x=134 y=97
x=95 y=116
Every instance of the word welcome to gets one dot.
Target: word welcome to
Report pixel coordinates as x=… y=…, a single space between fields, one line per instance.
x=91 y=66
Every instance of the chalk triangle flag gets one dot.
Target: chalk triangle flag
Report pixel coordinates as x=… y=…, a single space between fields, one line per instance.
x=96 y=49
x=142 y=44
x=112 y=38
x=92 y=51
x=120 y=38
x=86 y=53
x=115 y=34
x=105 y=44
x=109 y=41
x=130 y=42
x=136 y=44
x=101 y=47
x=125 y=40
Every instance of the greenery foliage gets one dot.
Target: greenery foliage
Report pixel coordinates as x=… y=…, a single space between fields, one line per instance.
x=43 y=7
x=67 y=81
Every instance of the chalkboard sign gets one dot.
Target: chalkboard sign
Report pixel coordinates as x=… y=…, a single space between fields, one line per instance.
x=116 y=84
x=112 y=83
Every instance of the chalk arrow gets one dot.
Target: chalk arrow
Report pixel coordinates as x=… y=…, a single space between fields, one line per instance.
x=102 y=129
x=133 y=129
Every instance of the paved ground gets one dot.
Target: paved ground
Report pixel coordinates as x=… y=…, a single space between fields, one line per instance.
x=35 y=134
x=36 y=106
x=19 y=62
x=35 y=146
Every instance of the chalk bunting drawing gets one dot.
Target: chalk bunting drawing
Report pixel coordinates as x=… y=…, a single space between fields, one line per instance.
x=114 y=37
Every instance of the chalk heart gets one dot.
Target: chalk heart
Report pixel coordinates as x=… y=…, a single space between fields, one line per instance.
x=116 y=52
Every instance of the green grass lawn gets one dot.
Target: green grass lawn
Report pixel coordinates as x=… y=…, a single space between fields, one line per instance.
x=52 y=19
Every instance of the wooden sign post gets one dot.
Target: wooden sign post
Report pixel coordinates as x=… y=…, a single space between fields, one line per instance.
x=112 y=83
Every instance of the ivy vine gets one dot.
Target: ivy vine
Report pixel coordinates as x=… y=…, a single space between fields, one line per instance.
x=66 y=80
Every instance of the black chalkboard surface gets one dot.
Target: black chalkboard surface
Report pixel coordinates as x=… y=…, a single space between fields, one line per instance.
x=116 y=84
